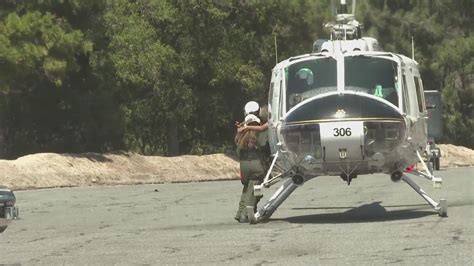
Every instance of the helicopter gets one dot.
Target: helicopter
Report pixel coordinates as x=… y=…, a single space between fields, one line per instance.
x=346 y=109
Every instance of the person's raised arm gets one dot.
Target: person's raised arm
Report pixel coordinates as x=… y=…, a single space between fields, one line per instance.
x=258 y=128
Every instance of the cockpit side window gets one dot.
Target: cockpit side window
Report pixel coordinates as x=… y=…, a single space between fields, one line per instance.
x=406 y=101
x=281 y=99
x=270 y=97
x=419 y=95
x=372 y=75
x=309 y=78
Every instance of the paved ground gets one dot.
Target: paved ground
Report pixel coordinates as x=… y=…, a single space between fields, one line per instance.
x=373 y=221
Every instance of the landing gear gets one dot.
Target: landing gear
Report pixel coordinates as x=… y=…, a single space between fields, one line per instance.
x=440 y=207
x=293 y=179
x=273 y=203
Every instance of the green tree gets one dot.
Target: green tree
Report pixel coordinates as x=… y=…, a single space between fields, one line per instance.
x=37 y=47
x=456 y=68
x=156 y=100
x=53 y=98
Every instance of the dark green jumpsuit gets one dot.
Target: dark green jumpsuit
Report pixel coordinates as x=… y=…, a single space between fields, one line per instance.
x=253 y=167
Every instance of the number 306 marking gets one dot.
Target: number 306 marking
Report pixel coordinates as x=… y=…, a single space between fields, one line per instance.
x=341 y=132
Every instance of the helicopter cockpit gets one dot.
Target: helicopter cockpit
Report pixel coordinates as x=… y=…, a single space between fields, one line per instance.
x=373 y=75
x=309 y=78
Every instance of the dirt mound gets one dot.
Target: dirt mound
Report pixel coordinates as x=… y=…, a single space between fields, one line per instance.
x=455 y=156
x=58 y=170
x=63 y=170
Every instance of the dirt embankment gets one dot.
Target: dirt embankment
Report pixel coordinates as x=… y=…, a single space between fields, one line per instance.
x=456 y=156
x=63 y=170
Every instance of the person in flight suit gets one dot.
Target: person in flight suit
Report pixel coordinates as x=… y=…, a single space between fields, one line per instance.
x=252 y=143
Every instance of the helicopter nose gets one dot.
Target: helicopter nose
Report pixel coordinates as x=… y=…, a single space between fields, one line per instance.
x=342 y=127
x=342 y=107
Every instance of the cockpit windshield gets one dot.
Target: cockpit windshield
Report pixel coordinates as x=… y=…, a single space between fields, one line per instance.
x=372 y=75
x=366 y=74
x=309 y=78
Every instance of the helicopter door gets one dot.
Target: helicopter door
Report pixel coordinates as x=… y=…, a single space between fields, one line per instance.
x=418 y=128
x=274 y=106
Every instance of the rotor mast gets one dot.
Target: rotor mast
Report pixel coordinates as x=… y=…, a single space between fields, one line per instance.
x=345 y=26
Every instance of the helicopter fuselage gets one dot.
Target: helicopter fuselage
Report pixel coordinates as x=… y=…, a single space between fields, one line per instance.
x=347 y=110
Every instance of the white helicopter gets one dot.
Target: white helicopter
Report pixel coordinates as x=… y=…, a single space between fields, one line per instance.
x=346 y=109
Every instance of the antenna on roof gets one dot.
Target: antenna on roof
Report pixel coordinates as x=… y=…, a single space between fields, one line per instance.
x=274 y=33
x=276 y=49
x=412 y=48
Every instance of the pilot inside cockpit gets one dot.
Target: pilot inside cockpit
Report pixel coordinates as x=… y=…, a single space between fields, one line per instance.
x=304 y=77
x=303 y=81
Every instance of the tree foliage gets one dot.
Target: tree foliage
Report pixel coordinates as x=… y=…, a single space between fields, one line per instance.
x=171 y=77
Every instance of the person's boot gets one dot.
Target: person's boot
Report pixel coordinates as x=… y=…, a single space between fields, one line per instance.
x=250 y=199
x=243 y=219
x=241 y=211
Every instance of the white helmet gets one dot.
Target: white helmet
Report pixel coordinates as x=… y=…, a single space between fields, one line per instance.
x=251 y=119
x=306 y=74
x=251 y=107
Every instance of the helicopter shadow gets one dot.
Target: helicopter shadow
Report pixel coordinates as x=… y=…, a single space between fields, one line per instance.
x=373 y=212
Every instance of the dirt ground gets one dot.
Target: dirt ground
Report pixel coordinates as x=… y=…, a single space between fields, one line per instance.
x=45 y=170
